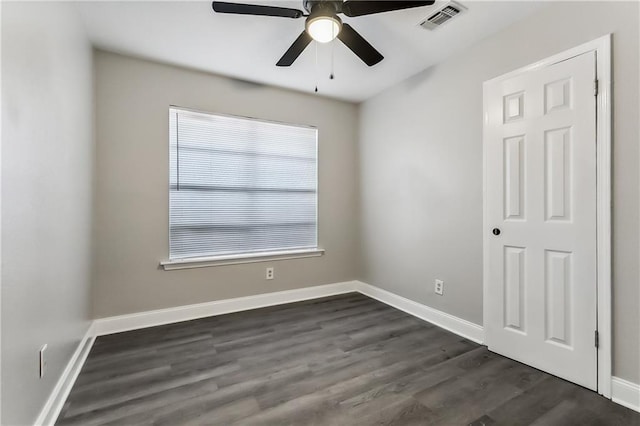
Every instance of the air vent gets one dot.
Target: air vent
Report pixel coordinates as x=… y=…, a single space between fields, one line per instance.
x=444 y=13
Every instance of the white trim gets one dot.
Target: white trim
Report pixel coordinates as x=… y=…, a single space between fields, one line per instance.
x=602 y=47
x=235 y=259
x=60 y=392
x=464 y=328
x=201 y=113
x=1 y=211
x=625 y=393
x=117 y=324
x=139 y=320
x=590 y=46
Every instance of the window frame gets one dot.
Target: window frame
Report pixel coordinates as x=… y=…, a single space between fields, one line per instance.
x=246 y=257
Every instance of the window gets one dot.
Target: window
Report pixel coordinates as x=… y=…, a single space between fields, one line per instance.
x=240 y=186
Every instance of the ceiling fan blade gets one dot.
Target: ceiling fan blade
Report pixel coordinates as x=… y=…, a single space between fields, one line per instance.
x=254 y=9
x=295 y=50
x=364 y=7
x=359 y=45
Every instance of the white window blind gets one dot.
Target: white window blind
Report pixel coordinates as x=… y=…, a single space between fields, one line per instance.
x=240 y=186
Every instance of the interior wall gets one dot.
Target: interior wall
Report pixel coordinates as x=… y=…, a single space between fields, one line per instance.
x=421 y=168
x=131 y=209
x=47 y=161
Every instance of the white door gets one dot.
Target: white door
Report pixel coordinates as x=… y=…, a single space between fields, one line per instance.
x=540 y=195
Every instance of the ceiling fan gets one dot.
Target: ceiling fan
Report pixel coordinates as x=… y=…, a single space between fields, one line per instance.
x=323 y=24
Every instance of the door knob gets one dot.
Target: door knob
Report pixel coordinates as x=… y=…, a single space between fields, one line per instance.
x=496 y=231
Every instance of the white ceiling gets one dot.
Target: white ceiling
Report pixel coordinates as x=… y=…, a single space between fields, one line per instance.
x=190 y=34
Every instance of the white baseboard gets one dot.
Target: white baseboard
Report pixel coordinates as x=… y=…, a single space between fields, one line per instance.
x=154 y=318
x=625 y=393
x=146 y=319
x=60 y=392
x=456 y=325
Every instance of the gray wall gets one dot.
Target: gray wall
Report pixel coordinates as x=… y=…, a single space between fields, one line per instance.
x=131 y=219
x=47 y=161
x=421 y=168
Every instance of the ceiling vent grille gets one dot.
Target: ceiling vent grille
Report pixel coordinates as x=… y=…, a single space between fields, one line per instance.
x=444 y=13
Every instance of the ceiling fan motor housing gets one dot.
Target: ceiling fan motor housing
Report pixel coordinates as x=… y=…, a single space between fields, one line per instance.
x=328 y=6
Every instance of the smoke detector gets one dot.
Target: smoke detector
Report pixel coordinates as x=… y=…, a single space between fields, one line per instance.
x=444 y=13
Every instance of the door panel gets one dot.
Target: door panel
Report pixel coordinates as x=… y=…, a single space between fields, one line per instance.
x=514 y=158
x=558 y=286
x=557 y=145
x=540 y=192
x=514 y=291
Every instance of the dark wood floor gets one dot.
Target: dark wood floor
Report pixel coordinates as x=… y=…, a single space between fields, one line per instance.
x=343 y=360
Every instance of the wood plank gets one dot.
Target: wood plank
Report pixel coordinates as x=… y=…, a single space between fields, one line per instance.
x=340 y=360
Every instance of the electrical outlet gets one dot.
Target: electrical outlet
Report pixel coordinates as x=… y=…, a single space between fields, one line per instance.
x=43 y=360
x=439 y=287
x=270 y=273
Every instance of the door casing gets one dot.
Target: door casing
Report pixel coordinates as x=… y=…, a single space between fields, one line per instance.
x=602 y=47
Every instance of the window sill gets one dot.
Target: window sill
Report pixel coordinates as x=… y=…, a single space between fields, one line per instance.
x=235 y=259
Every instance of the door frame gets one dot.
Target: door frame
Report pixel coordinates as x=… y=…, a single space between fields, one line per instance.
x=0 y=215
x=602 y=48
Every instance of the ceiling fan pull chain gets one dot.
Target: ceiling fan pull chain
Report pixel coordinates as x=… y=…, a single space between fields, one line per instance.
x=333 y=44
x=316 y=73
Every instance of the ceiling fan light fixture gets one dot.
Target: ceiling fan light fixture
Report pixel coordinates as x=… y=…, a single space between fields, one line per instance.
x=323 y=28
